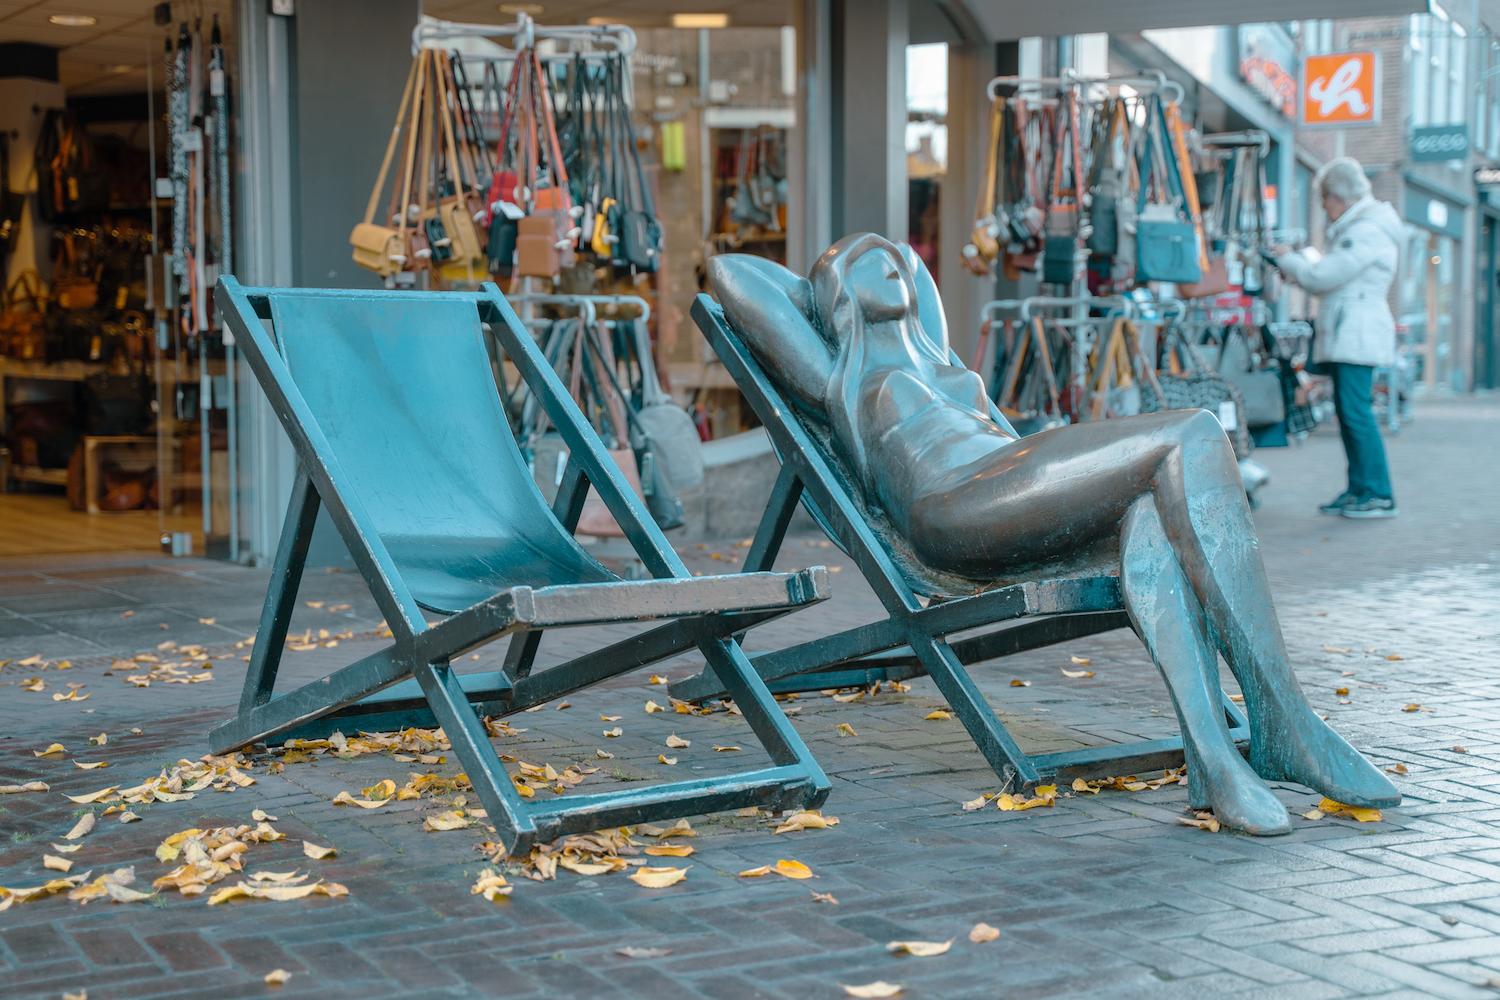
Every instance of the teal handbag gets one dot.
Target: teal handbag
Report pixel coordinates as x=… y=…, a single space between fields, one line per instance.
x=1166 y=242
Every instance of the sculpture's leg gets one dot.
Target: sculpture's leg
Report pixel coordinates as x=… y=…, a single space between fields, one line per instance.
x=1166 y=613
x=1205 y=513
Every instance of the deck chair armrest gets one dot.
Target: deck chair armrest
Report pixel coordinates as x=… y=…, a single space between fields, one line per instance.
x=565 y=605
x=584 y=446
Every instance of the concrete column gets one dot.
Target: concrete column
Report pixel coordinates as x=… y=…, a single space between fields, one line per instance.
x=810 y=145
x=868 y=62
x=970 y=67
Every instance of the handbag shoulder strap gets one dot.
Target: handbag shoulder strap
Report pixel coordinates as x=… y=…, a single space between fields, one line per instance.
x=390 y=144
x=554 y=147
x=445 y=113
x=986 y=204
x=635 y=155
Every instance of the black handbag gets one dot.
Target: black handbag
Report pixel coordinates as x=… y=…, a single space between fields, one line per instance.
x=640 y=233
x=117 y=404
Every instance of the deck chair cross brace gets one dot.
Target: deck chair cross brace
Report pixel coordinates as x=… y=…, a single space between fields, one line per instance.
x=393 y=411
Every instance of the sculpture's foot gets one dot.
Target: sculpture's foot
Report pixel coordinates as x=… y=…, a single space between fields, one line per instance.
x=1310 y=753
x=1225 y=784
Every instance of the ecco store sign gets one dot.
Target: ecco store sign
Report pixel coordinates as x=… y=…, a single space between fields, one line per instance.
x=1435 y=143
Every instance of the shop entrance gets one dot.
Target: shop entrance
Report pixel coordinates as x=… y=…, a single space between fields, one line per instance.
x=114 y=399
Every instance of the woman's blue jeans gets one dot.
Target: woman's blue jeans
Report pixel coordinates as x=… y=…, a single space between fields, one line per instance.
x=1368 y=473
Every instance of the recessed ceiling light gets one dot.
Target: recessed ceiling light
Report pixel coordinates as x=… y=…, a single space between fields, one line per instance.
x=73 y=20
x=521 y=8
x=700 y=20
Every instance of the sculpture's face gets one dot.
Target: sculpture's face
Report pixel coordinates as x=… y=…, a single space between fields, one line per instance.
x=881 y=284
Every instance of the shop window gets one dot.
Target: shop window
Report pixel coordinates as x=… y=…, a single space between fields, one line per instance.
x=926 y=146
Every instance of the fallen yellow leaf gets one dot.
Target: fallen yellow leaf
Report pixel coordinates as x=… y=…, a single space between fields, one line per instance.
x=609 y=718
x=102 y=793
x=657 y=878
x=844 y=729
x=938 y=715
x=83 y=826
x=1081 y=661
x=345 y=799
x=383 y=790
x=55 y=750
x=982 y=932
x=810 y=819
x=724 y=749
x=276 y=977
x=756 y=872
x=93 y=765
x=670 y=850
x=652 y=706
x=664 y=759
x=658 y=679
x=1201 y=820
x=1077 y=673
x=877 y=990
x=1362 y=814
x=919 y=949
x=1413 y=707
x=29 y=786
x=612 y=733
x=54 y=863
x=792 y=869
x=491 y=885
x=1313 y=814
x=1016 y=682
x=824 y=897
x=677 y=742
x=318 y=853
x=1084 y=787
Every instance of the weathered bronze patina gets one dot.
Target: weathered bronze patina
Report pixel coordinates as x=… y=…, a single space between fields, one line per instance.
x=861 y=346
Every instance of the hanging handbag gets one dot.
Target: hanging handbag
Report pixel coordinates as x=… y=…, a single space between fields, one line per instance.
x=640 y=233
x=23 y=333
x=1196 y=387
x=1166 y=240
x=983 y=248
x=382 y=248
x=596 y=518
x=1060 y=251
x=453 y=207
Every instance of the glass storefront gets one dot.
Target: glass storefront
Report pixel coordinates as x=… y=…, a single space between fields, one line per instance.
x=1427 y=304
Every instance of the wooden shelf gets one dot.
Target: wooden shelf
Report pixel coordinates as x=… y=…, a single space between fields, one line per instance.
x=39 y=474
x=55 y=371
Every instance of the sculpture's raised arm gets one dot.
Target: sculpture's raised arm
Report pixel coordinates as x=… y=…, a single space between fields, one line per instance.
x=772 y=310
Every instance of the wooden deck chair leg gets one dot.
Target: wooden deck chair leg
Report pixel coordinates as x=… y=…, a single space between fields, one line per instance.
x=281 y=598
x=471 y=745
x=567 y=507
x=1007 y=759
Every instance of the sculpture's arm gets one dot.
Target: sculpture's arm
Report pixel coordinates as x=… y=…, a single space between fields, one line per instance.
x=770 y=307
x=929 y=305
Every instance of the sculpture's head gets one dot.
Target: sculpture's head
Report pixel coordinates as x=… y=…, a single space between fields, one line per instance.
x=861 y=279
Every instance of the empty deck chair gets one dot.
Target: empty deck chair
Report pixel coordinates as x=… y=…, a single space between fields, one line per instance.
x=392 y=407
x=923 y=608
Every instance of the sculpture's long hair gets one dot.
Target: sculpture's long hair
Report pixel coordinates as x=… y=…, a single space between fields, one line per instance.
x=843 y=325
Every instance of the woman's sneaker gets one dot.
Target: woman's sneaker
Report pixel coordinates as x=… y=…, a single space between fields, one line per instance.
x=1370 y=507
x=1337 y=504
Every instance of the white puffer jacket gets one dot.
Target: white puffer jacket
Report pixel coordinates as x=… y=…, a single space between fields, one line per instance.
x=1353 y=280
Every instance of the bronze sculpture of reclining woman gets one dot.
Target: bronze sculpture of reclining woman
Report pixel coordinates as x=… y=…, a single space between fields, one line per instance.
x=861 y=346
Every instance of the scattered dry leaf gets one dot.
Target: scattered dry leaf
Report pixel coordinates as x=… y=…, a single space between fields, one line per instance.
x=982 y=932
x=55 y=750
x=677 y=742
x=938 y=715
x=1313 y=814
x=652 y=706
x=29 y=786
x=1045 y=796
x=808 y=819
x=1201 y=820
x=1397 y=769
x=877 y=990
x=276 y=977
x=756 y=872
x=824 y=897
x=491 y=885
x=612 y=733
x=844 y=729
x=1016 y=682
x=657 y=878
x=1413 y=707
x=670 y=850
x=919 y=949
x=792 y=869
x=719 y=748
x=83 y=826
x=317 y=852
x=53 y=863
x=664 y=759
x=1362 y=814
x=630 y=951
x=1077 y=673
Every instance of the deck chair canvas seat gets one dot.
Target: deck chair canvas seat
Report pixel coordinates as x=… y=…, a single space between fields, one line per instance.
x=394 y=412
x=924 y=608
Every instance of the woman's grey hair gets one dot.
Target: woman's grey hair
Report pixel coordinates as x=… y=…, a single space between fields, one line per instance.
x=1344 y=179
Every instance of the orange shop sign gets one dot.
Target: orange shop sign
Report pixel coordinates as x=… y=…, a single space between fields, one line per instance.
x=1341 y=88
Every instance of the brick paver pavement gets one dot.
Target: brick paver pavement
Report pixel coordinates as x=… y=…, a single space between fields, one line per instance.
x=1099 y=895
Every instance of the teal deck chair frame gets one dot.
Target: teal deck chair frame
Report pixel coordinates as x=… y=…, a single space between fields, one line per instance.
x=914 y=638
x=392 y=407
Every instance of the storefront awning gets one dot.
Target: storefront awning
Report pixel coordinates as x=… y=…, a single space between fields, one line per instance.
x=1010 y=19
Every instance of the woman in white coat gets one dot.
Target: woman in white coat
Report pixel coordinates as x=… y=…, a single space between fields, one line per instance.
x=1356 y=332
